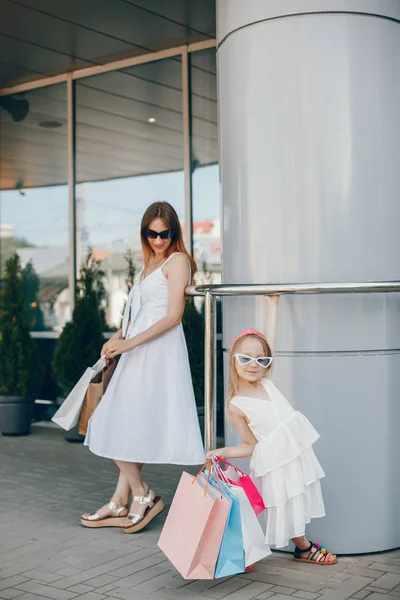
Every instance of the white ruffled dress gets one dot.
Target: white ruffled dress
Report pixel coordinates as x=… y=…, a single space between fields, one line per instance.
x=283 y=464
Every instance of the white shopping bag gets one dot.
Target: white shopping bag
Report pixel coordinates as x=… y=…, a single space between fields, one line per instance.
x=255 y=547
x=68 y=414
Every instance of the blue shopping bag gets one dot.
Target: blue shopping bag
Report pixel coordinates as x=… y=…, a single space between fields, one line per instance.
x=231 y=558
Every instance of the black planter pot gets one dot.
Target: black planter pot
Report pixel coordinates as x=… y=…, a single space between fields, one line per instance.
x=16 y=414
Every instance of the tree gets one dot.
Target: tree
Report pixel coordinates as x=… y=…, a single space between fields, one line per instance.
x=130 y=270
x=81 y=340
x=30 y=288
x=130 y=275
x=9 y=245
x=92 y=281
x=21 y=373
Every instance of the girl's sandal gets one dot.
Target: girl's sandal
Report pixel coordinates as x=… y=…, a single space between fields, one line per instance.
x=115 y=520
x=249 y=569
x=139 y=522
x=317 y=554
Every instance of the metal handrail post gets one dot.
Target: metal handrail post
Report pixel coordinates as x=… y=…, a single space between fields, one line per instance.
x=210 y=404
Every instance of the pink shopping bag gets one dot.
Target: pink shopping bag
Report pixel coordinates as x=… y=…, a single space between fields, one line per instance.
x=192 y=535
x=235 y=476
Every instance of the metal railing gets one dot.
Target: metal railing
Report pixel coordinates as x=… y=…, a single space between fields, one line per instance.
x=211 y=292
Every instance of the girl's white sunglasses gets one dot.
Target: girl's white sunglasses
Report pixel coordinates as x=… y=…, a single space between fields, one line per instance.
x=263 y=361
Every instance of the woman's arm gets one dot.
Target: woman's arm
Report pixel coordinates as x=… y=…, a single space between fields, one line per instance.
x=178 y=275
x=270 y=327
x=249 y=442
x=116 y=336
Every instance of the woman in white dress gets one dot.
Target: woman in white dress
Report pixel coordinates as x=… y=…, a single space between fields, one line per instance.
x=148 y=413
x=280 y=442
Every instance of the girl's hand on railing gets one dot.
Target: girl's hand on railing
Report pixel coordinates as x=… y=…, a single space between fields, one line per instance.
x=273 y=299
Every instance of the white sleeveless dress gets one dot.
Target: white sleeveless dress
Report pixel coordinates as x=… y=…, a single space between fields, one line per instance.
x=148 y=413
x=283 y=465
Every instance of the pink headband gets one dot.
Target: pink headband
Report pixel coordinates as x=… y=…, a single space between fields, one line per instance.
x=248 y=332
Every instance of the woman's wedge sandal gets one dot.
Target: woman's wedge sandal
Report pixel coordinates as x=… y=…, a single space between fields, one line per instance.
x=139 y=522
x=115 y=520
x=317 y=554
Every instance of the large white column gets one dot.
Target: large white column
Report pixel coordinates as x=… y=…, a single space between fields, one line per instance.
x=309 y=95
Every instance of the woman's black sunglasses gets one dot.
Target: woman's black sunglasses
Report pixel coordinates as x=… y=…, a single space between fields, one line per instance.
x=164 y=235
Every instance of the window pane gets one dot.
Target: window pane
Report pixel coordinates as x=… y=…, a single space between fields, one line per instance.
x=34 y=199
x=129 y=154
x=205 y=178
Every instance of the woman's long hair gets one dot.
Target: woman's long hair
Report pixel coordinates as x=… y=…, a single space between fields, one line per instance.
x=164 y=211
x=233 y=385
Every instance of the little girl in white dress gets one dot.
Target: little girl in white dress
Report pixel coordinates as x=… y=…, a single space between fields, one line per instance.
x=280 y=442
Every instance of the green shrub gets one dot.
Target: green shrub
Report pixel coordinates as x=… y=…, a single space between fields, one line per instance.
x=129 y=257
x=21 y=372
x=81 y=340
x=30 y=290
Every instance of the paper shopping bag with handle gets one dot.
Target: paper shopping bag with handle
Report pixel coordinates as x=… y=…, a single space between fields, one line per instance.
x=94 y=394
x=68 y=414
x=193 y=531
x=231 y=557
x=235 y=476
x=255 y=546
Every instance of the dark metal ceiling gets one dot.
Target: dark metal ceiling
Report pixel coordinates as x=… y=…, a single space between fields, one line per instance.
x=46 y=37
x=114 y=136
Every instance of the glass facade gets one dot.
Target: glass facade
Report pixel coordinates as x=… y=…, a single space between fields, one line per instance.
x=205 y=174
x=34 y=199
x=126 y=139
x=129 y=142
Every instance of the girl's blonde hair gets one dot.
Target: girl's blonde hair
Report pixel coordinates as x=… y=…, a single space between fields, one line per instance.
x=233 y=385
x=164 y=211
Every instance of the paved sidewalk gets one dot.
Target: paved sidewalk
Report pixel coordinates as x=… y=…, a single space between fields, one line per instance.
x=45 y=483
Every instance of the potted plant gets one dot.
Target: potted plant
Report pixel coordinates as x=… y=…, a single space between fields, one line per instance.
x=21 y=373
x=81 y=340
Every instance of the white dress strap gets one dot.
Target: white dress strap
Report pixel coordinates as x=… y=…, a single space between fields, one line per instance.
x=169 y=258
x=175 y=254
x=280 y=402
